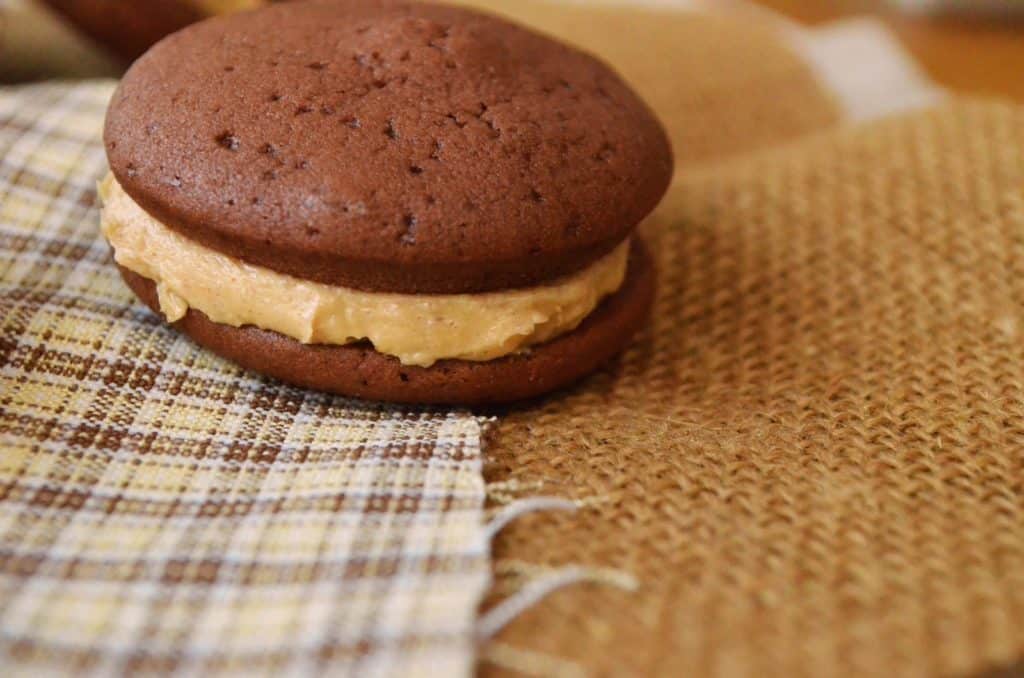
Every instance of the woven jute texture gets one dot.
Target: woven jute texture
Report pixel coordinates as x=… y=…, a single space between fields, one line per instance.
x=813 y=458
x=163 y=511
x=698 y=71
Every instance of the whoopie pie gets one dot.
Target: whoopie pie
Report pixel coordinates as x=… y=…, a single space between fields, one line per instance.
x=386 y=199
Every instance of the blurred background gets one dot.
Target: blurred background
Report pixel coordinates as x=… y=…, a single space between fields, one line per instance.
x=967 y=45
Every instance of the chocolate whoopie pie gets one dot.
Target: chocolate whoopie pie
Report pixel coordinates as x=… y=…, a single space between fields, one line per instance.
x=384 y=199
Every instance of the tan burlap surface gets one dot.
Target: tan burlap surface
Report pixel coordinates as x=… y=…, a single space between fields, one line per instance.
x=813 y=459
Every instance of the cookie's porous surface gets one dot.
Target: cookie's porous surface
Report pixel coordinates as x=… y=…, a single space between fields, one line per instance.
x=387 y=146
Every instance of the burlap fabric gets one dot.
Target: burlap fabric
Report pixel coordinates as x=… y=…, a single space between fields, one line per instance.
x=813 y=458
x=162 y=511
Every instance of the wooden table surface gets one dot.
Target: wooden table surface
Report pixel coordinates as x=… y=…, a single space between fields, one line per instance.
x=977 y=55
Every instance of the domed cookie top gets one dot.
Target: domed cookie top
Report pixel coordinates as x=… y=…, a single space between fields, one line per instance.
x=387 y=146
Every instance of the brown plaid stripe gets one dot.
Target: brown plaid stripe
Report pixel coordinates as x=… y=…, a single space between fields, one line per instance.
x=164 y=511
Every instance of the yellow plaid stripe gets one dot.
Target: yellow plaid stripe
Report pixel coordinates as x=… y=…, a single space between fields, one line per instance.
x=163 y=511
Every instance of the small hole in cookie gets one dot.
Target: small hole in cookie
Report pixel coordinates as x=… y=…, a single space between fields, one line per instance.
x=269 y=175
x=405 y=56
x=415 y=169
x=403 y=376
x=408 y=236
x=268 y=149
x=446 y=32
x=312 y=232
x=317 y=65
x=229 y=141
x=536 y=196
x=431 y=200
x=231 y=202
x=274 y=98
x=352 y=122
x=435 y=154
x=303 y=109
x=302 y=164
x=390 y=130
x=229 y=69
x=606 y=152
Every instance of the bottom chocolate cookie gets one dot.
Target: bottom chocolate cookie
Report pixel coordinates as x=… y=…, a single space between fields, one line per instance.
x=359 y=371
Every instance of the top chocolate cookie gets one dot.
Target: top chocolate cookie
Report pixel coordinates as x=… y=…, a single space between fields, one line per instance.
x=387 y=145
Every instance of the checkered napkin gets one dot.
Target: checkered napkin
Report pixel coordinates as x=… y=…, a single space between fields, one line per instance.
x=163 y=511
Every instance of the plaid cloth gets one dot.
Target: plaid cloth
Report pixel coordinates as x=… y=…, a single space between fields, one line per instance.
x=163 y=511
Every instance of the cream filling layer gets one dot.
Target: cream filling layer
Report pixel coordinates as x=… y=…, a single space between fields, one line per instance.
x=418 y=329
x=225 y=6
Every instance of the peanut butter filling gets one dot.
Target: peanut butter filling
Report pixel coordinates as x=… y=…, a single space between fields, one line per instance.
x=418 y=329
